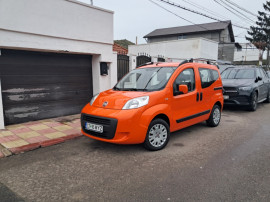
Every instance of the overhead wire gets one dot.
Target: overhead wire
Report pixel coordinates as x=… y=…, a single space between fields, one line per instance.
x=207 y=10
x=243 y=9
x=196 y=12
x=234 y=11
x=177 y=15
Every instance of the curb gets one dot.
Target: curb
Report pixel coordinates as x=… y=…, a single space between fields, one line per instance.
x=48 y=143
x=4 y=152
x=29 y=147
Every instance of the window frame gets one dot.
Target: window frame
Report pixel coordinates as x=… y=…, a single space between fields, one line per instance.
x=175 y=93
x=211 y=76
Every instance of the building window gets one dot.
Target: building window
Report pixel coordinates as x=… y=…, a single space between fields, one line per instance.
x=182 y=37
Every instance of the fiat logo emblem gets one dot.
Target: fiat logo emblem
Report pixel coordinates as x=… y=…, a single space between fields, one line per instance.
x=105 y=104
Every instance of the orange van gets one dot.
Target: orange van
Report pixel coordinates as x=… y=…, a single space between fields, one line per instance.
x=152 y=101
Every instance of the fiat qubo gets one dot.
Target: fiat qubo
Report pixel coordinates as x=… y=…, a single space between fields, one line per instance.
x=152 y=101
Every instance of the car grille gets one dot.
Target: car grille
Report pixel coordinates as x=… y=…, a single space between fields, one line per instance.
x=231 y=91
x=109 y=125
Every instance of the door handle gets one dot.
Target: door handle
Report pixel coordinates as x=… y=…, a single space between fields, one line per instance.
x=198 y=97
x=201 y=96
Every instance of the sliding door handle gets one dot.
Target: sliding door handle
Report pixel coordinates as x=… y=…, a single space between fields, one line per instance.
x=201 y=96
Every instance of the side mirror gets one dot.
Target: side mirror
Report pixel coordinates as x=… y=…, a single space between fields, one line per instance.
x=183 y=89
x=258 y=79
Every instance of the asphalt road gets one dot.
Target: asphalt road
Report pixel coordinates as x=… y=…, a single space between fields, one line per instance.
x=227 y=163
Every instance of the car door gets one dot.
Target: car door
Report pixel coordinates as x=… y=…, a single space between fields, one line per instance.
x=266 y=84
x=206 y=89
x=262 y=88
x=185 y=106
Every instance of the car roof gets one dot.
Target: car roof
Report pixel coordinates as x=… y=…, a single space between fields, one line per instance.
x=242 y=67
x=174 y=64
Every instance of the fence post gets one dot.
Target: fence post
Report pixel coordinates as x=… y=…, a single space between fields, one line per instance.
x=2 y=126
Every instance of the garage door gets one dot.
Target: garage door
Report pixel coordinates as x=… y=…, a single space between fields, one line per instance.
x=39 y=85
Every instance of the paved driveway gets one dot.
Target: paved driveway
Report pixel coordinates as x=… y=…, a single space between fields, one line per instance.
x=227 y=163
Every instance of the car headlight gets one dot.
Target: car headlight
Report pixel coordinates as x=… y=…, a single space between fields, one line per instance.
x=93 y=99
x=136 y=102
x=248 y=88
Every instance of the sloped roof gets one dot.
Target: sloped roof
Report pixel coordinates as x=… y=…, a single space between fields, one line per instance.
x=124 y=43
x=208 y=27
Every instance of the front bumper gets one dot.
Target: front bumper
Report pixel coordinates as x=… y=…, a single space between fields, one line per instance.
x=237 y=100
x=237 y=97
x=120 y=126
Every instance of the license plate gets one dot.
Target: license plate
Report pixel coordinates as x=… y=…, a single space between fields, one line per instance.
x=226 y=97
x=94 y=127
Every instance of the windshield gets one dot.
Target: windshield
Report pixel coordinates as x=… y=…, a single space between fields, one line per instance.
x=238 y=74
x=145 y=79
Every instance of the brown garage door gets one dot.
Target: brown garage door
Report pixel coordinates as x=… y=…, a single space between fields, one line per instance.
x=39 y=85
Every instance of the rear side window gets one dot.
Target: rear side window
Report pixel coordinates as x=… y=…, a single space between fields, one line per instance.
x=208 y=77
x=215 y=74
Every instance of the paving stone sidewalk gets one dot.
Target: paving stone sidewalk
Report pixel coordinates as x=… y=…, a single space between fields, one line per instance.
x=32 y=135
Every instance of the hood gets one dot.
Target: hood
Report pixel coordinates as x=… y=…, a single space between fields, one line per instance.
x=116 y=99
x=237 y=82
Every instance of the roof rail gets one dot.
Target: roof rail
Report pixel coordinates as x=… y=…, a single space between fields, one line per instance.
x=208 y=61
x=186 y=61
x=148 y=63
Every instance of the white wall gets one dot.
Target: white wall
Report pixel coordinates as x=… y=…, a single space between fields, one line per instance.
x=1 y=110
x=58 y=18
x=61 y=26
x=179 y=49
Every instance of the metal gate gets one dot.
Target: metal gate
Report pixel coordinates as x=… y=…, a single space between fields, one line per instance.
x=39 y=85
x=161 y=59
x=142 y=59
x=122 y=66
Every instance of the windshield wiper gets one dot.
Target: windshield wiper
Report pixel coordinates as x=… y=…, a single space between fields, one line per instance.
x=133 y=89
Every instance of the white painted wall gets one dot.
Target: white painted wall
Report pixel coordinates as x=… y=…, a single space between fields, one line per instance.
x=61 y=26
x=58 y=18
x=248 y=53
x=1 y=110
x=179 y=49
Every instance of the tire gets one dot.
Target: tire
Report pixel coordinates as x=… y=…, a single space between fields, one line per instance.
x=158 y=135
x=268 y=97
x=215 y=117
x=254 y=102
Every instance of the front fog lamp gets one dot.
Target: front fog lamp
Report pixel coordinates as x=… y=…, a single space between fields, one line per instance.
x=93 y=99
x=136 y=102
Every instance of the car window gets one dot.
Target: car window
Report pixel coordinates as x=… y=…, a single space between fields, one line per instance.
x=206 y=77
x=238 y=74
x=215 y=74
x=186 y=77
x=145 y=79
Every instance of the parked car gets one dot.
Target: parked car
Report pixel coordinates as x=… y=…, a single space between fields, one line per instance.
x=246 y=86
x=152 y=101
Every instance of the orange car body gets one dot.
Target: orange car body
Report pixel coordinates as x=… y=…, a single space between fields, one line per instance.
x=179 y=111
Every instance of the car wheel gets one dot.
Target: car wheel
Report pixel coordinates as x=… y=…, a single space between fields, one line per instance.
x=268 y=97
x=254 y=102
x=215 y=117
x=157 y=136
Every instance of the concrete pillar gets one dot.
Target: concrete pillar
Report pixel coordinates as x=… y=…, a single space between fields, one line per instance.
x=102 y=83
x=2 y=126
x=96 y=73
x=113 y=70
x=132 y=62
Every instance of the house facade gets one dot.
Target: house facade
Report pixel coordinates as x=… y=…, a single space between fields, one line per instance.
x=51 y=56
x=220 y=32
x=176 y=50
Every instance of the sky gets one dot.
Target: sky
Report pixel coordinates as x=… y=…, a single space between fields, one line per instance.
x=137 y=18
